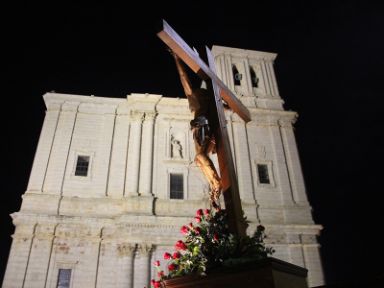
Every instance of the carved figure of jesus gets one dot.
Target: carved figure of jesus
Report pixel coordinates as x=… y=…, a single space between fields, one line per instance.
x=202 y=134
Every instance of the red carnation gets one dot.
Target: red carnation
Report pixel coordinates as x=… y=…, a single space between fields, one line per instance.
x=160 y=274
x=157 y=284
x=206 y=212
x=176 y=255
x=199 y=213
x=172 y=267
x=167 y=256
x=157 y=263
x=180 y=245
x=184 y=230
x=215 y=237
x=198 y=219
x=197 y=230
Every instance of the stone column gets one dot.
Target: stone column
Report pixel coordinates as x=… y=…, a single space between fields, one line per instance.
x=39 y=257
x=142 y=270
x=133 y=165
x=43 y=151
x=145 y=187
x=293 y=162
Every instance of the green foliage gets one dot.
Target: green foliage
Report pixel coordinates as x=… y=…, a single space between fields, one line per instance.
x=209 y=245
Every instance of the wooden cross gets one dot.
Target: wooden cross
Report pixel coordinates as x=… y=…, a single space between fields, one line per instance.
x=221 y=91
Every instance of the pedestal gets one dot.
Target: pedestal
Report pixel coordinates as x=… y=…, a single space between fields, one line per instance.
x=267 y=273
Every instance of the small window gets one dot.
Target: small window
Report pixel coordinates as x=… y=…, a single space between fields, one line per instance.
x=254 y=79
x=64 y=278
x=82 y=166
x=236 y=76
x=177 y=186
x=262 y=170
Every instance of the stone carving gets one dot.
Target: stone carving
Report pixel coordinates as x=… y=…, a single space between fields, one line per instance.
x=260 y=151
x=144 y=249
x=176 y=148
x=126 y=249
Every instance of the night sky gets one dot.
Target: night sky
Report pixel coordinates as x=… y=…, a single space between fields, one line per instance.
x=329 y=69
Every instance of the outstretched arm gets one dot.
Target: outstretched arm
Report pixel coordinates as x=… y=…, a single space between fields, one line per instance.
x=183 y=75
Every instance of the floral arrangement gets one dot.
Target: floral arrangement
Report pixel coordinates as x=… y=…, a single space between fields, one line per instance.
x=209 y=245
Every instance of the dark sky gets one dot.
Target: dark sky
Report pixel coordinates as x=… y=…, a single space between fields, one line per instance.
x=329 y=69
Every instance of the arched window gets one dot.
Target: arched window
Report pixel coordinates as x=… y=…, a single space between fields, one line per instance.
x=236 y=76
x=254 y=79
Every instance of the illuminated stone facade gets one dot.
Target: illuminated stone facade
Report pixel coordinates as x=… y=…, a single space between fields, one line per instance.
x=109 y=225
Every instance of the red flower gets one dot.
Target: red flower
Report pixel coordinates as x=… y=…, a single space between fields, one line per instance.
x=198 y=219
x=180 y=245
x=172 y=267
x=157 y=284
x=199 y=213
x=215 y=237
x=184 y=230
x=157 y=263
x=176 y=255
x=167 y=256
x=160 y=274
x=190 y=225
x=206 y=212
x=197 y=230
x=153 y=282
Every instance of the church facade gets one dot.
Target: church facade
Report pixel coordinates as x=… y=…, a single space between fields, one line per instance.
x=113 y=180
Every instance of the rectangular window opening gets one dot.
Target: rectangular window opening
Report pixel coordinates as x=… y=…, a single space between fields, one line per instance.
x=64 y=278
x=177 y=186
x=82 y=166
x=262 y=170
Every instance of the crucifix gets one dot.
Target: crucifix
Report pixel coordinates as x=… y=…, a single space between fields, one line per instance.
x=210 y=110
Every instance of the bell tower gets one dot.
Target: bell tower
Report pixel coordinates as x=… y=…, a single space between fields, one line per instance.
x=250 y=75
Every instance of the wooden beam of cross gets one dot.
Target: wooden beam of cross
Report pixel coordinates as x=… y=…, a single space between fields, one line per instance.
x=227 y=171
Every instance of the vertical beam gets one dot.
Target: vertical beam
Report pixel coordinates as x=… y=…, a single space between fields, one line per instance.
x=227 y=170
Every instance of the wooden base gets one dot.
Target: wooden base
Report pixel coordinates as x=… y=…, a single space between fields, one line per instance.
x=268 y=273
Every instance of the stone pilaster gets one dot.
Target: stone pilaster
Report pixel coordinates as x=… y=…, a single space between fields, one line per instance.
x=243 y=164
x=19 y=256
x=282 y=177
x=293 y=161
x=312 y=261
x=142 y=265
x=40 y=255
x=133 y=165
x=43 y=152
x=116 y=264
x=105 y=148
x=61 y=145
x=266 y=80
x=145 y=187
x=117 y=172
